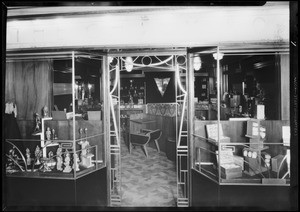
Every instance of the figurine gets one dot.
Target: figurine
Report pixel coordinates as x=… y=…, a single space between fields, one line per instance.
x=67 y=163
x=44 y=167
x=48 y=134
x=51 y=161
x=28 y=159
x=45 y=111
x=12 y=159
x=38 y=155
x=54 y=136
x=59 y=159
x=76 y=162
x=37 y=123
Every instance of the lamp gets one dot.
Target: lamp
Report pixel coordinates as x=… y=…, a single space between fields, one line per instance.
x=128 y=64
x=89 y=87
x=197 y=63
x=216 y=56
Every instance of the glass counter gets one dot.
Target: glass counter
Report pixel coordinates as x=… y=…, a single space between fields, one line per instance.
x=248 y=152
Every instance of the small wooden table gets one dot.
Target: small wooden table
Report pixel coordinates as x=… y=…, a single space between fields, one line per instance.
x=145 y=123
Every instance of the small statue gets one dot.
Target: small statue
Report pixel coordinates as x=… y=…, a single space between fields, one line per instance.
x=28 y=159
x=48 y=134
x=54 y=136
x=59 y=159
x=76 y=162
x=37 y=123
x=45 y=111
x=44 y=167
x=38 y=155
x=67 y=163
x=51 y=161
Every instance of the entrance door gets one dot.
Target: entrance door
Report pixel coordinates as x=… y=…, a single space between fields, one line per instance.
x=176 y=62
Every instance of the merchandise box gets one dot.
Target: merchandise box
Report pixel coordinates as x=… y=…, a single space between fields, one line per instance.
x=238 y=160
x=212 y=133
x=275 y=162
x=231 y=175
x=256 y=143
x=230 y=168
x=255 y=129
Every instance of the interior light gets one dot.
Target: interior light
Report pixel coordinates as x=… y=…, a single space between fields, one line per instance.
x=216 y=56
x=128 y=64
x=197 y=63
x=110 y=59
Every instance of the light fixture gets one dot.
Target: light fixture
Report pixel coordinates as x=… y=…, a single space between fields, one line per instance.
x=110 y=59
x=197 y=63
x=216 y=56
x=128 y=64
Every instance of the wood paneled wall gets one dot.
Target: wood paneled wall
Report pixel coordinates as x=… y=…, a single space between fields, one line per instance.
x=29 y=85
x=167 y=125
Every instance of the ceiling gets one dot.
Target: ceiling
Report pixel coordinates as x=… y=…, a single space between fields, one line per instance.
x=18 y=10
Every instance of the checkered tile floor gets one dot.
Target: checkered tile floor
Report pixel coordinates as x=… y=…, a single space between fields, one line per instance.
x=147 y=182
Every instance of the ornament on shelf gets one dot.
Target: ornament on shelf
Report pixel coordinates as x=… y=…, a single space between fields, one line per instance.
x=54 y=136
x=76 y=162
x=37 y=123
x=59 y=159
x=51 y=161
x=28 y=159
x=45 y=112
x=38 y=154
x=67 y=160
x=86 y=156
x=44 y=167
x=48 y=134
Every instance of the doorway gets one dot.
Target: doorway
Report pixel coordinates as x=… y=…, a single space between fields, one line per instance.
x=174 y=66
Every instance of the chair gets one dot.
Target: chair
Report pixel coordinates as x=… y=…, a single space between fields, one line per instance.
x=143 y=138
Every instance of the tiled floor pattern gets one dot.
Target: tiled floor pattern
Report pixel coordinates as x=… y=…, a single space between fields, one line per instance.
x=147 y=182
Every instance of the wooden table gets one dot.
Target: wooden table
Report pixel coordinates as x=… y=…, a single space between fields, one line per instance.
x=145 y=123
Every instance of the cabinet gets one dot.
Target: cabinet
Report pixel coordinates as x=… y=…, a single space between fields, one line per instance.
x=242 y=152
x=67 y=147
x=133 y=91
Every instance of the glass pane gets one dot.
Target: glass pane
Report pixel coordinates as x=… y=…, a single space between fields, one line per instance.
x=88 y=93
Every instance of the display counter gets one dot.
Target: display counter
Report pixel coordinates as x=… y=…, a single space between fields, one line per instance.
x=58 y=155
x=245 y=152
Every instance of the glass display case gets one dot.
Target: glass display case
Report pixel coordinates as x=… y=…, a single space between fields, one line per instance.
x=65 y=138
x=253 y=151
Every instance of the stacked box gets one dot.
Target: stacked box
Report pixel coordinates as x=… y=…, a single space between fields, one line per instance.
x=230 y=171
x=238 y=160
x=275 y=162
x=256 y=143
x=212 y=133
x=255 y=129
